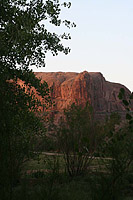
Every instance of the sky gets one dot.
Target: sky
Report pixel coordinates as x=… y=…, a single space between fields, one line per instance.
x=101 y=42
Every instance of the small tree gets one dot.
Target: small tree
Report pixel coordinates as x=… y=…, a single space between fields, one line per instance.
x=116 y=152
x=76 y=133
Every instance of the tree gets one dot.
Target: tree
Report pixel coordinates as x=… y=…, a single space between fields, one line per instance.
x=76 y=138
x=24 y=41
x=116 y=153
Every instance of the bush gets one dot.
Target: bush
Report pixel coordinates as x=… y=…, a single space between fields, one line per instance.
x=76 y=138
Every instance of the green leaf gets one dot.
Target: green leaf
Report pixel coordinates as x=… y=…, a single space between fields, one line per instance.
x=122 y=90
x=131 y=122
x=125 y=102
x=128 y=116
x=120 y=95
x=131 y=96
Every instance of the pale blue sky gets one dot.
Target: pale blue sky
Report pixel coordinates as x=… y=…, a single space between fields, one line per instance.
x=102 y=40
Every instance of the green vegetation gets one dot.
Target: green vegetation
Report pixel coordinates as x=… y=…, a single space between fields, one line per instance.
x=75 y=173
x=109 y=176
x=53 y=182
x=76 y=138
x=24 y=41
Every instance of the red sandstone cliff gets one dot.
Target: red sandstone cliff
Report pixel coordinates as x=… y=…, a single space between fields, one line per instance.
x=69 y=87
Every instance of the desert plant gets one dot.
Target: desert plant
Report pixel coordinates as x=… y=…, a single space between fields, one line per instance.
x=117 y=146
x=76 y=138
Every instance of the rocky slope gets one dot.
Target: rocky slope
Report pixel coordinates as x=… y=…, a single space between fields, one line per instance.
x=70 y=87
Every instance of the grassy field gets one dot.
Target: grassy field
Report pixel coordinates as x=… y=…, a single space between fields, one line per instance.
x=46 y=178
x=46 y=161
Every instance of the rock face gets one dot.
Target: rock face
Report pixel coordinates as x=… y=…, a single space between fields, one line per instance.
x=69 y=87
